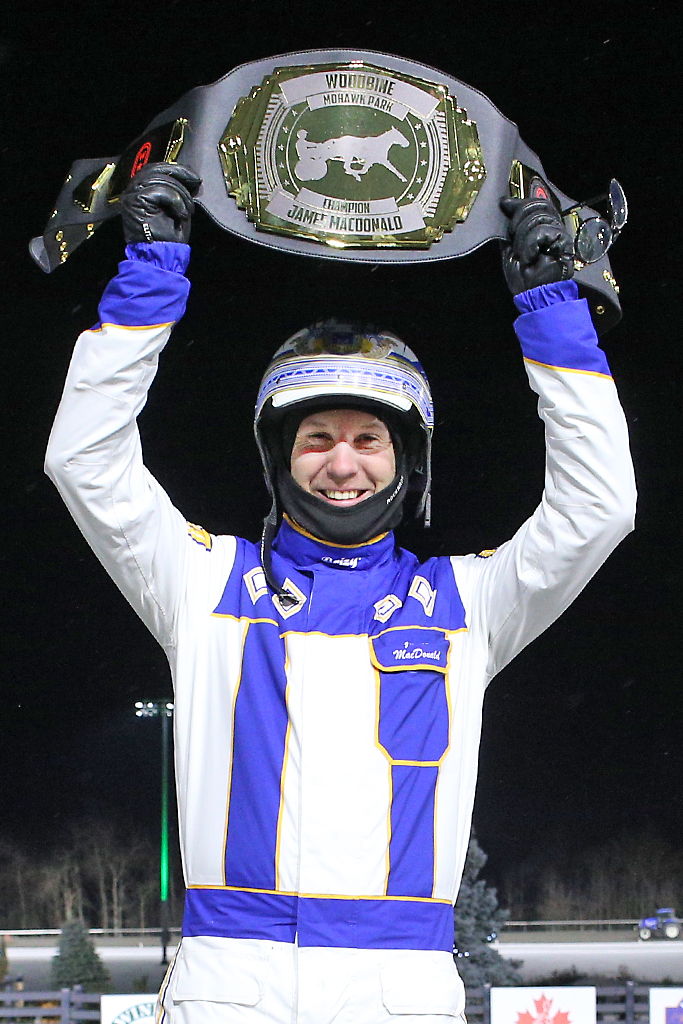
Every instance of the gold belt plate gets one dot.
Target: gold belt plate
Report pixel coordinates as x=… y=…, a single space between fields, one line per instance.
x=352 y=155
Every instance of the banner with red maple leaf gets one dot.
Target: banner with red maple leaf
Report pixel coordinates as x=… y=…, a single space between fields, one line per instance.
x=546 y=1005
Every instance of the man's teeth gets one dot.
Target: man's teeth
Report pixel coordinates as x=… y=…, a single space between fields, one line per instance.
x=342 y=495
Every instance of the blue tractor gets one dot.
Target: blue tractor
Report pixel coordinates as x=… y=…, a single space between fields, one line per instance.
x=663 y=925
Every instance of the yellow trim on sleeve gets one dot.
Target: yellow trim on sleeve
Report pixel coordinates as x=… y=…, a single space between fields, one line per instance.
x=125 y=327
x=568 y=369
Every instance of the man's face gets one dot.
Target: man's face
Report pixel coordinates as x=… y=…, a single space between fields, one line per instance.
x=343 y=456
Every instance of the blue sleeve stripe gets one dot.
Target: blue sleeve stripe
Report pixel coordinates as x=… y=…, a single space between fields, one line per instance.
x=544 y=295
x=173 y=256
x=143 y=295
x=562 y=336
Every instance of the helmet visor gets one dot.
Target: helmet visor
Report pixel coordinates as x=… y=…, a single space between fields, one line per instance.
x=390 y=381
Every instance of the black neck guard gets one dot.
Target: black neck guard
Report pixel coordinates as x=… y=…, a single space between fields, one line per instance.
x=354 y=525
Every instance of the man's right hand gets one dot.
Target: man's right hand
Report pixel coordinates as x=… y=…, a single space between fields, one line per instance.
x=158 y=203
x=539 y=249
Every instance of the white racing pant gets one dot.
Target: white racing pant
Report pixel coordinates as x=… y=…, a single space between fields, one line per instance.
x=251 y=981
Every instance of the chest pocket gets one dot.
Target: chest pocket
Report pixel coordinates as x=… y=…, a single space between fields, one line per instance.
x=411 y=664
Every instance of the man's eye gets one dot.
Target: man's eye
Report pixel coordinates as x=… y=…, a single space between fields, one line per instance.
x=313 y=442
x=370 y=442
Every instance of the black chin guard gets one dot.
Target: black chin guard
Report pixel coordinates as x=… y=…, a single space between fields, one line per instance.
x=354 y=524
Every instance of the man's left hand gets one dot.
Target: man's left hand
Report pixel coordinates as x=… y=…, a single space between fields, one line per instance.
x=158 y=203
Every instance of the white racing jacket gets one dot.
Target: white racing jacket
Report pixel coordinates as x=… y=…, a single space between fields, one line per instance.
x=326 y=754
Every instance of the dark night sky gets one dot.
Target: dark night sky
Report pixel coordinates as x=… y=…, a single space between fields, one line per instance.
x=582 y=734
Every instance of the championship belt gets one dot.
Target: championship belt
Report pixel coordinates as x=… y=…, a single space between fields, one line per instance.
x=339 y=154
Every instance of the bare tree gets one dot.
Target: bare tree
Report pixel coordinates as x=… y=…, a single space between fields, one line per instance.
x=118 y=868
x=17 y=882
x=61 y=889
x=102 y=875
x=623 y=878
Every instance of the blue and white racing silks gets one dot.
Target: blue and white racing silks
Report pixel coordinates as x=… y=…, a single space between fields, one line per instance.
x=326 y=753
x=331 y=828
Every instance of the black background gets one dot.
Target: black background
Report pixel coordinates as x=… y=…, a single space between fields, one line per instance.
x=582 y=733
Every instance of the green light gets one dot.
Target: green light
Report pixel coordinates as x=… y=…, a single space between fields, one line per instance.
x=161 y=709
x=163 y=853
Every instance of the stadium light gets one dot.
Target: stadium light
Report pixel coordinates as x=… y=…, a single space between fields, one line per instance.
x=162 y=709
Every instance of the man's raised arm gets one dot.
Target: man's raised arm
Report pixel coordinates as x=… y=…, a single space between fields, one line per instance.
x=94 y=455
x=588 y=501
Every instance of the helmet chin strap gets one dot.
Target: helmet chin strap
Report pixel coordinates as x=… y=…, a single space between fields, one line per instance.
x=270 y=525
x=355 y=524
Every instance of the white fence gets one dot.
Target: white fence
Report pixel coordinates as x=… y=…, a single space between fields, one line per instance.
x=627 y=1003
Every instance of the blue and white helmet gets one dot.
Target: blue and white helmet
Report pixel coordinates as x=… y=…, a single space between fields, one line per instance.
x=336 y=365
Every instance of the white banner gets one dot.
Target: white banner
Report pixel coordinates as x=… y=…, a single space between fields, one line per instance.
x=666 y=1006
x=135 y=1009
x=351 y=219
x=358 y=79
x=543 y=1005
x=358 y=99
x=375 y=207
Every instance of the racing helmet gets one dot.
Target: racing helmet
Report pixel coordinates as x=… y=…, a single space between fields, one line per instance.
x=343 y=365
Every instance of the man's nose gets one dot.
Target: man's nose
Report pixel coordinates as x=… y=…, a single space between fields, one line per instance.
x=342 y=462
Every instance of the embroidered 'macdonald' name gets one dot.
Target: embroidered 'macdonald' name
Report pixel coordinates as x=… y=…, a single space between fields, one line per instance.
x=410 y=647
x=416 y=654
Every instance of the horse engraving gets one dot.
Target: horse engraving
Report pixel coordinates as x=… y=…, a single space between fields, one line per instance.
x=357 y=154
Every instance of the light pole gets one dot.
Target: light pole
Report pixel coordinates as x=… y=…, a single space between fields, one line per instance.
x=162 y=709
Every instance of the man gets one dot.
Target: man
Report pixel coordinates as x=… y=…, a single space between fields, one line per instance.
x=328 y=687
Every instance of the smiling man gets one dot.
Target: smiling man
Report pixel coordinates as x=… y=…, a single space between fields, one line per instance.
x=343 y=456
x=328 y=685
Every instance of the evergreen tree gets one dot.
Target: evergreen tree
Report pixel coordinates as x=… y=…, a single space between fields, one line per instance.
x=77 y=962
x=478 y=919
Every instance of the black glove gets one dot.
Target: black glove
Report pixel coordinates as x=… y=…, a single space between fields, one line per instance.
x=540 y=249
x=157 y=205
